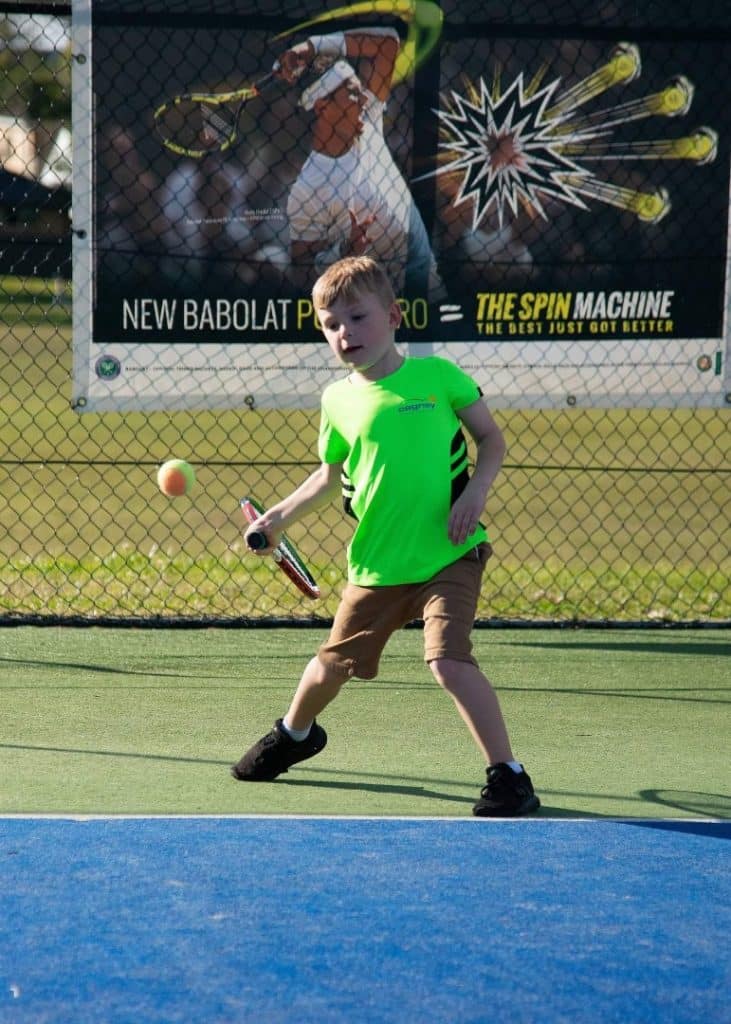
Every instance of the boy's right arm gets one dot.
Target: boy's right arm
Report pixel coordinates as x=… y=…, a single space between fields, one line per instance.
x=318 y=488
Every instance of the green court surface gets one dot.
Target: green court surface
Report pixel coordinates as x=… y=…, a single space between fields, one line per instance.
x=609 y=722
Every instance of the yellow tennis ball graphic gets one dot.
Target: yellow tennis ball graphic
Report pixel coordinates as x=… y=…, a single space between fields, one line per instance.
x=175 y=477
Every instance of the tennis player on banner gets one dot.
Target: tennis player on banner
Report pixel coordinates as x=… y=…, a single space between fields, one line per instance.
x=391 y=438
x=350 y=197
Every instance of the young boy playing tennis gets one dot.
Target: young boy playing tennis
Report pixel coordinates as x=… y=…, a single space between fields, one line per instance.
x=391 y=438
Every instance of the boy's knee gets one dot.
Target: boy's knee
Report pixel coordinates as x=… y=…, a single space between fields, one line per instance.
x=331 y=673
x=443 y=670
x=451 y=673
x=346 y=668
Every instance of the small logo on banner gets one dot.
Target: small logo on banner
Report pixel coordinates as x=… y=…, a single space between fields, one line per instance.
x=108 y=367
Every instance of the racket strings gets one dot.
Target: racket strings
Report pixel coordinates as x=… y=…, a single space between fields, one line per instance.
x=219 y=125
x=298 y=565
x=196 y=127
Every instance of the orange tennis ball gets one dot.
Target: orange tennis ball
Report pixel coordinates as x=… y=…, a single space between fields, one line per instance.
x=175 y=477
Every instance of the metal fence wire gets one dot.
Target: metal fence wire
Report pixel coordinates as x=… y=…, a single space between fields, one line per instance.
x=608 y=512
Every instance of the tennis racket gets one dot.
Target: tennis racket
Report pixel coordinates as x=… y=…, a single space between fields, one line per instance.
x=197 y=123
x=285 y=554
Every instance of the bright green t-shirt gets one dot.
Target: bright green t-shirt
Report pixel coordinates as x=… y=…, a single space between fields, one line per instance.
x=404 y=463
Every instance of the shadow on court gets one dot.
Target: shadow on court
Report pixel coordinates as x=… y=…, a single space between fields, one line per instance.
x=373 y=787
x=713 y=646
x=698 y=804
x=710 y=829
x=660 y=693
x=711 y=805
x=77 y=666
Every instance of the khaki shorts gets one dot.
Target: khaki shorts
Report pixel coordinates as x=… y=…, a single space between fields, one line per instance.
x=367 y=616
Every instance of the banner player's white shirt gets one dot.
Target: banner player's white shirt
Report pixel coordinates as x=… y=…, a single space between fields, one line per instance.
x=366 y=181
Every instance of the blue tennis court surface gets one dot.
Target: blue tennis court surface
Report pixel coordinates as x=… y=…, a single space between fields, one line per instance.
x=219 y=920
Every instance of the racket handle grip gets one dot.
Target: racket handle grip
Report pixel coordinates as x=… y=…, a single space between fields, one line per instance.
x=257 y=541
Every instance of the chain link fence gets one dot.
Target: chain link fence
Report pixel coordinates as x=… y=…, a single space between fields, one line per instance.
x=607 y=514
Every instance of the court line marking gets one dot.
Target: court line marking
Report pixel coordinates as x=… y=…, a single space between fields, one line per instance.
x=21 y=816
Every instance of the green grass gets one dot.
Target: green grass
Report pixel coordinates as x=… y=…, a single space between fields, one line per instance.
x=35 y=300
x=598 y=514
x=140 y=586
x=147 y=721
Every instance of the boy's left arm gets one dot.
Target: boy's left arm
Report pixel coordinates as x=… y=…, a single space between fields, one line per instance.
x=464 y=516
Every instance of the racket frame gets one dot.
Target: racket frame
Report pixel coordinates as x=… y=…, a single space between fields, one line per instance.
x=284 y=554
x=214 y=99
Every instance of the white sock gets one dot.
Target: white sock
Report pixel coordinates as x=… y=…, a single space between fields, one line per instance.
x=298 y=735
x=516 y=766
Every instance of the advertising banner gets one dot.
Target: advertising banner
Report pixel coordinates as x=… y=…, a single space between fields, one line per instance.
x=553 y=210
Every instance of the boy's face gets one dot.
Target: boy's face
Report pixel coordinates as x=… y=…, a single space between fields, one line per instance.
x=360 y=332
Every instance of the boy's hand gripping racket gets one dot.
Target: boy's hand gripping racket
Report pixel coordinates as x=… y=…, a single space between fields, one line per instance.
x=284 y=554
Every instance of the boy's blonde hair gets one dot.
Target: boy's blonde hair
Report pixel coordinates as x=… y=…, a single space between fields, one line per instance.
x=349 y=278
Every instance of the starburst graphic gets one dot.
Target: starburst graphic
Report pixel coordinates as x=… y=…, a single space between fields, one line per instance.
x=518 y=147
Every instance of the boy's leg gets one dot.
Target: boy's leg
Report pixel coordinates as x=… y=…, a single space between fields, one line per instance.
x=478 y=705
x=276 y=752
x=508 y=791
x=320 y=684
x=449 y=605
x=363 y=623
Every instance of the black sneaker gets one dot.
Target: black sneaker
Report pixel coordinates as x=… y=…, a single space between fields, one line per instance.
x=276 y=752
x=507 y=794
